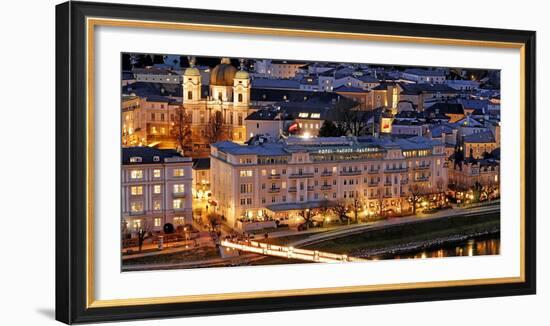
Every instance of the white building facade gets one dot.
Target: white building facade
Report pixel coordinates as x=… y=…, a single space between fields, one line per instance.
x=156 y=189
x=275 y=179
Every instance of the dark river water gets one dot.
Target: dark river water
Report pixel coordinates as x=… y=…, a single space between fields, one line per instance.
x=472 y=247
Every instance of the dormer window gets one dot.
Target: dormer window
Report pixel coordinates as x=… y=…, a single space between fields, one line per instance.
x=135 y=159
x=156 y=158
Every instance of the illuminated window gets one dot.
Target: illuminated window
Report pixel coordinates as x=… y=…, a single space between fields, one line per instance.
x=304 y=115
x=283 y=185
x=136 y=174
x=264 y=173
x=136 y=224
x=179 y=220
x=315 y=115
x=179 y=172
x=179 y=188
x=177 y=203
x=156 y=189
x=246 y=173
x=136 y=190
x=136 y=206
x=157 y=206
x=158 y=221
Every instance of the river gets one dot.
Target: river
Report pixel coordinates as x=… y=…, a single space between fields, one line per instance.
x=472 y=247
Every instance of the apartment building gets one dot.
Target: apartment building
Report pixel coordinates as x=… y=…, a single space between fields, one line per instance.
x=156 y=188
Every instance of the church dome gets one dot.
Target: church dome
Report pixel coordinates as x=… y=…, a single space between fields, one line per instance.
x=241 y=74
x=192 y=71
x=223 y=74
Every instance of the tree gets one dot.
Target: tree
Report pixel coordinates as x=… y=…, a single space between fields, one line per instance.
x=416 y=192
x=439 y=185
x=214 y=219
x=324 y=208
x=143 y=232
x=182 y=129
x=214 y=129
x=329 y=129
x=340 y=209
x=356 y=204
x=307 y=215
x=380 y=202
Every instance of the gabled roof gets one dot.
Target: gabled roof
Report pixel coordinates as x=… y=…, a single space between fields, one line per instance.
x=468 y=122
x=439 y=130
x=480 y=137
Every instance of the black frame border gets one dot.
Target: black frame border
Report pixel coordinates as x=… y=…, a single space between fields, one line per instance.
x=71 y=158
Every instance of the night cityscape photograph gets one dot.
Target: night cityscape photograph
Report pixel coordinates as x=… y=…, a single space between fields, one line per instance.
x=244 y=162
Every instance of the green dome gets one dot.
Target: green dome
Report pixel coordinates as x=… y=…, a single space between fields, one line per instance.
x=241 y=74
x=192 y=72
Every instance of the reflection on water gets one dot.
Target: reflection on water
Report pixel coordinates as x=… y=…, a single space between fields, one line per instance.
x=472 y=247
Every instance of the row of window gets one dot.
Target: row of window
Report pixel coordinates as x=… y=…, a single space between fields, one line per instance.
x=138 y=174
x=137 y=206
x=157 y=189
x=345 y=169
x=157 y=222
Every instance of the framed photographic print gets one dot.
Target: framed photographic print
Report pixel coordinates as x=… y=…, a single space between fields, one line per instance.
x=213 y=162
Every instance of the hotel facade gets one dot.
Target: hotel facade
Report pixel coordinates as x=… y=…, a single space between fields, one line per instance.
x=156 y=189
x=277 y=180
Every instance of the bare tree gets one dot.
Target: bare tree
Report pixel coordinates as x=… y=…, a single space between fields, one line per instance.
x=182 y=129
x=380 y=202
x=214 y=219
x=143 y=232
x=439 y=185
x=308 y=217
x=214 y=129
x=324 y=208
x=416 y=192
x=356 y=203
x=340 y=209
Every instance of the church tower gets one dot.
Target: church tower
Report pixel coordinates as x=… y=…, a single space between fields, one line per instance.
x=241 y=87
x=191 y=84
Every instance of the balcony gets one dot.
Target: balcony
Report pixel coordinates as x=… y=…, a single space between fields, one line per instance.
x=274 y=176
x=422 y=167
x=387 y=183
x=134 y=213
x=310 y=188
x=396 y=170
x=426 y=178
x=301 y=175
x=404 y=181
x=178 y=194
x=326 y=174
x=354 y=172
x=373 y=171
x=373 y=184
x=326 y=187
x=388 y=195
x=291 y=189
x=273 y=190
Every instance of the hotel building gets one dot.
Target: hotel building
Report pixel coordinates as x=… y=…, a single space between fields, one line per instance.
x=249 y=182
x=156 y=188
